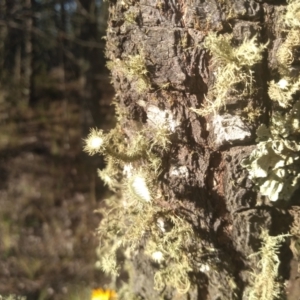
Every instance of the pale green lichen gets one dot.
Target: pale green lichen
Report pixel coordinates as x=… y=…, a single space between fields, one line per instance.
x=283 y=91
x=133 y=68
x=288 y=50
x=166 y=237
x=174 y=238
x=138 y=187
x=265 y=285
x=292 y=16
x=274 y=164
x=139 y=216
x=234 y=67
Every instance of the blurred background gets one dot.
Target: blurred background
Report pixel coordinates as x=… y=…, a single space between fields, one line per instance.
x=53 y=87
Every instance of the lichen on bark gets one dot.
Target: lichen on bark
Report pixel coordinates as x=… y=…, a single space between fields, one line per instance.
x=186 y=216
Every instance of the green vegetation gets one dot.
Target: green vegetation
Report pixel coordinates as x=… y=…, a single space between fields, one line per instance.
x=138 y=215
x=288 y=50
x=274 y=164
x=131 y=16
x=283 y=91
x=134 y=69
x=234 y=67
x=265 y=285
x=292 y=15
x=12 y=297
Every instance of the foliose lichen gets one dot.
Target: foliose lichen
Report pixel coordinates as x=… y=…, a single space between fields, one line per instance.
x=274 y=164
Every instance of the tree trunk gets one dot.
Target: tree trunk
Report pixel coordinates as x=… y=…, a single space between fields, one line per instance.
x=195 y=99
x=17 y=66
x=27 y=61
x=3 y=35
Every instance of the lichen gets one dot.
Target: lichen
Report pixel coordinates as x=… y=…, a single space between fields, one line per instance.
x=292 y=16
x=274 y=164
x=138 y=215
x=265 y=285
x=234 y=67
x=134 y=69
x=166 y=237
x=288 y=50
x=283 y=91
x=228 y=129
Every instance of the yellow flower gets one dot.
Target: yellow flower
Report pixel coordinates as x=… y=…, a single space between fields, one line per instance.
x=100 y=294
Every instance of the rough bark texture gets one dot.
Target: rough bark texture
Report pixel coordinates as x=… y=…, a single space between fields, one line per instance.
x=223 y=205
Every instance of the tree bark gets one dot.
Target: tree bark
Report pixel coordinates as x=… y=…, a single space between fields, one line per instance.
x=27 y=61
x=201 y=175
x=3 y=35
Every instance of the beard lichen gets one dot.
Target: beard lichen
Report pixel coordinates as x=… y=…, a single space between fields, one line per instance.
x=283 y=91
x=134 y=69
x=234 y=67
x=265 y=284
x=139 y=218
